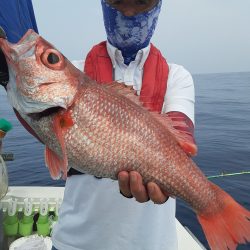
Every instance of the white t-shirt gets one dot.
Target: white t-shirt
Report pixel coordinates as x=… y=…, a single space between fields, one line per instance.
x=94 y=215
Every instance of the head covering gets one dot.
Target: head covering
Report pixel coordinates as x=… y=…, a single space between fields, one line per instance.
x=16 y=17
x=129 y=33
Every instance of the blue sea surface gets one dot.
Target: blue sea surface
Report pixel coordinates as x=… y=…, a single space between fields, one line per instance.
x=222 y=135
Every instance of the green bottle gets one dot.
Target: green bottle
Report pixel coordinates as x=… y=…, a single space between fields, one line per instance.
x=5 y=126
x=43 y=224
x=10 y=223
x=26 y=223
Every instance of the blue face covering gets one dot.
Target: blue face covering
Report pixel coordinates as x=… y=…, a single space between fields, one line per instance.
x=129 y=34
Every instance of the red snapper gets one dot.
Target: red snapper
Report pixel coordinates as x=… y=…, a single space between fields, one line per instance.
x=103 y=129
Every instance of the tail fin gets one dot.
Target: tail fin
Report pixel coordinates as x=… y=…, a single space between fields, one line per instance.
x=227 y=227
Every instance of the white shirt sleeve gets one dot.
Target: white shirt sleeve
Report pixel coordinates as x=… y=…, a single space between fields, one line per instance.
x=180 y=92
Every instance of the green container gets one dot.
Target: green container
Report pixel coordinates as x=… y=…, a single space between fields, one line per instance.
x=5 y=125
x=43 y=225
x=10 y=225
x=26 y=225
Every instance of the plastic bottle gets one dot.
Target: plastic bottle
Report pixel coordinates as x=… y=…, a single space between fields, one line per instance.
x=26 y=223
x=43 y=225
x=10 y=223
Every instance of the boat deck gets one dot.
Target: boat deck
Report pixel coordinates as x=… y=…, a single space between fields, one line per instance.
x=54 y=196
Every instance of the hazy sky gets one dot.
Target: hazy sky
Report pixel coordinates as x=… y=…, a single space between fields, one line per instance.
x=203 y=35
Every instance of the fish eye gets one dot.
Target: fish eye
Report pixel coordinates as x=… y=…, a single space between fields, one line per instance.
x=53 y=59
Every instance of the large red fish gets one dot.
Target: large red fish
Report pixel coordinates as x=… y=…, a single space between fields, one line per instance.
x=103 y=129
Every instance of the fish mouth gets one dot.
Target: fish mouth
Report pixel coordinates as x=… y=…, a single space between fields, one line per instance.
x=45 y=113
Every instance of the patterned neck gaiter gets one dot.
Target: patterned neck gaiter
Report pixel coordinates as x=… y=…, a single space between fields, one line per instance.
x=129 y=34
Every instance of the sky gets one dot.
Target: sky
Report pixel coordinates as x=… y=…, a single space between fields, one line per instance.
x=204 y=36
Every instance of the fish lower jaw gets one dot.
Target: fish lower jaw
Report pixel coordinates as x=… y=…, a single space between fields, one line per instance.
x=46 y=112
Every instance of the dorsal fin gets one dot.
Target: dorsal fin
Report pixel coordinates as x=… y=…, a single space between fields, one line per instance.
x=124 y=90
x=184 y=138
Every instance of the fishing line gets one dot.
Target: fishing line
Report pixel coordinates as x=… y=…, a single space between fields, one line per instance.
x=228 y=174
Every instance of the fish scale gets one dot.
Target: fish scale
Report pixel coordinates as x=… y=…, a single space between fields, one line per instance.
x=102 y=129
x=147 y=152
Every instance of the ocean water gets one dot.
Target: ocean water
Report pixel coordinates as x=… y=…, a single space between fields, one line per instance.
x=222 y=135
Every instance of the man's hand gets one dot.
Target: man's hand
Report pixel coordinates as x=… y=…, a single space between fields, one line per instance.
x=131 y=185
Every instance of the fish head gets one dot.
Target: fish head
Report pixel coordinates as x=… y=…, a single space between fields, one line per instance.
x=40 y=77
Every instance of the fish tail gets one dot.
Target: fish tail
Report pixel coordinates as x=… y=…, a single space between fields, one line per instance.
x=227 y=227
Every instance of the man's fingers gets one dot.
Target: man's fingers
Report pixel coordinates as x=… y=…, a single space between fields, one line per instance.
x=131 y=185
x=137 y=187
x=124 y=184
x=156 y=194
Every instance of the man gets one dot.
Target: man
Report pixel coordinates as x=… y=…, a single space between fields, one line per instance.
x=94 y=215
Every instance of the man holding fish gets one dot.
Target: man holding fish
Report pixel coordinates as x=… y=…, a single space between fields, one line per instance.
x=103 y=129
x=93 y=214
